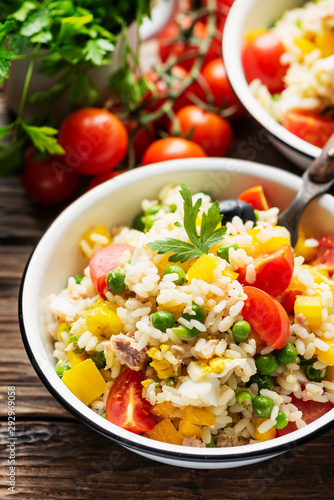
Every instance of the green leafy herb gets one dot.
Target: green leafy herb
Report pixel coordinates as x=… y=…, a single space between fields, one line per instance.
x=42 y=138
x=209 y=235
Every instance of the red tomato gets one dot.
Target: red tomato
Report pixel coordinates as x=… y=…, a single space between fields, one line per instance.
x=142 y=139
x=288 y=300
x=310 y=127
x=266 y=315
x=125 y=405
x=223 y=96
x=100 y=179
x=312 y=410
x=172 y=44
x=95 y=141
x=104 y=261
x=255 y=196
x=274 y=271
x=48 y=181
x=172 y=148
x=261 y=59
x=210 y=131
x=324 y=257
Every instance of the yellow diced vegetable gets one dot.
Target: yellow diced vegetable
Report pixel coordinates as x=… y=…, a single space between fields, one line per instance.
x=188 y=430
x=255 y=33
x=163 y=367
x=264 y=436
x=310 y=308
x=165 y=431
x=305 y=45
x=76 y=358
x=198 y=416
x=93 y=240
x=230 y=274
x=203 y=268
x=262 y=247
x=166 y=410
x=326 y=356
x=301 y=248
x=85 y=381
x=325 y=42
x=330 y=375
x=62 y=328
x=102 y=320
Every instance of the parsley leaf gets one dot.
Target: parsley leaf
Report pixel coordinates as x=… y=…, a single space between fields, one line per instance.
x=209 y=235
x=43 y=140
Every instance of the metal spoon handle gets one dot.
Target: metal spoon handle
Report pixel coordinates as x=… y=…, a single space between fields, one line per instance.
x=322 y=169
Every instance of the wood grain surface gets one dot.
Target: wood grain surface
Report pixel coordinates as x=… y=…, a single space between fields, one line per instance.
x=57 y=457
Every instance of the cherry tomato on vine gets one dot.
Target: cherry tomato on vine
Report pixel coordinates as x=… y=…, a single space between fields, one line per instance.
x=126 y=406
x=100 y=179
x=172 y=148
x=95 y=141
x=48 y=181
x=310 y=127
x=212 y=132
x=261 y=59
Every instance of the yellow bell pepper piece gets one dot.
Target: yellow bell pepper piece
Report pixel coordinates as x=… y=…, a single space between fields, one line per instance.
x=62 y=328
x=326 y=356
x=255 y=33
x=330 y=375
x=163 y=367
x=301 y=248
x=264 y=436
x=325 y=42
x=305 y=45
x=76 y=358
x=165 y=431
x=188 y=430
x=166 y=410
x=310 y=308
x=102 y=320
x=89 y=242
x=230 y=274
x=261 y=247
x=85 y=381
x=203 y=268
x=198 y=416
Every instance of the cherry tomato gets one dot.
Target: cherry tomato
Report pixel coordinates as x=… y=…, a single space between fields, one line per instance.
x=172 y=148
x=212 y=132
x=48 y=181
x=255 y=196
x=95 y=141
x=125 y=405
x=274 y=271
x=312 y=410
x=310 y=127
x=266 y=315
x=288 y=299
x=142 y=139
x=171 y=43
x=215 y=75
x=261 y=59
x=324 y=257
x=104 y=261
x=100 y=179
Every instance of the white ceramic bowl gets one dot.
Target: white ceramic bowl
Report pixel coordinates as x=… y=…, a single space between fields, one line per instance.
x=244 y=16
x=117 y=202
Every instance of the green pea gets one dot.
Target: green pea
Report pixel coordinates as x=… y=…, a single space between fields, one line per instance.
x=175 y=269
x=185 y=333
x=61 y=367
x=157 y=381
x=211 y=443
x=198 y=315
x=170 y=381
x=240 y=331
x=149 y=220
x=266 y=364
x=99 y=359
x=138 y=222
x=223 y=251
x=116 y=280
x=73 y=340
x=244 y=398
x=103 y=415
x=315 y=375
x=286 y=355
x=262 y=381
x=161 y=320
x=78 y=279
x=153 y=210
x=263 y=406
x=281 y=420
x=172 y=208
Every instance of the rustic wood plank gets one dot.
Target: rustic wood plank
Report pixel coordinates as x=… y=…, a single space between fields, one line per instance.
x=67 y=460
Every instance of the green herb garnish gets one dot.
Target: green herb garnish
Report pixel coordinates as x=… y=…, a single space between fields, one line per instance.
x=209 y=235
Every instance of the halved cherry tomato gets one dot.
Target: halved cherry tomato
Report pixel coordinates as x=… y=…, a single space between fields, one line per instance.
x=172 y=148
x=125 y=405
x=310 y=127
x=261 y=58
x=274 y=271
x=324 y=257
x=103 y=261
x=100 y=179
x=288 y=299
x=255 y=196
x=312 y=410
x=266 y=315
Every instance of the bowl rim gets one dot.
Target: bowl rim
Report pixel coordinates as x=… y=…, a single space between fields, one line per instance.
x=232 y=42
x=89 y=417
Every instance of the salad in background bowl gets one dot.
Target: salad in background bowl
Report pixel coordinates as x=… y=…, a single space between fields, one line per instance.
x=279 y=59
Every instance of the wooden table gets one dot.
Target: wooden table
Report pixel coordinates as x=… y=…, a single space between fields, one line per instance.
x=58 y=457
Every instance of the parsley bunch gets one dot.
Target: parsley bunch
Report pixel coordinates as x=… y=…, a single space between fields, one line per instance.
x=209 y=234
x=67 y=38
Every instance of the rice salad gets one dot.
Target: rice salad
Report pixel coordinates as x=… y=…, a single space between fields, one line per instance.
x=308 y=38
x=176 y=345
